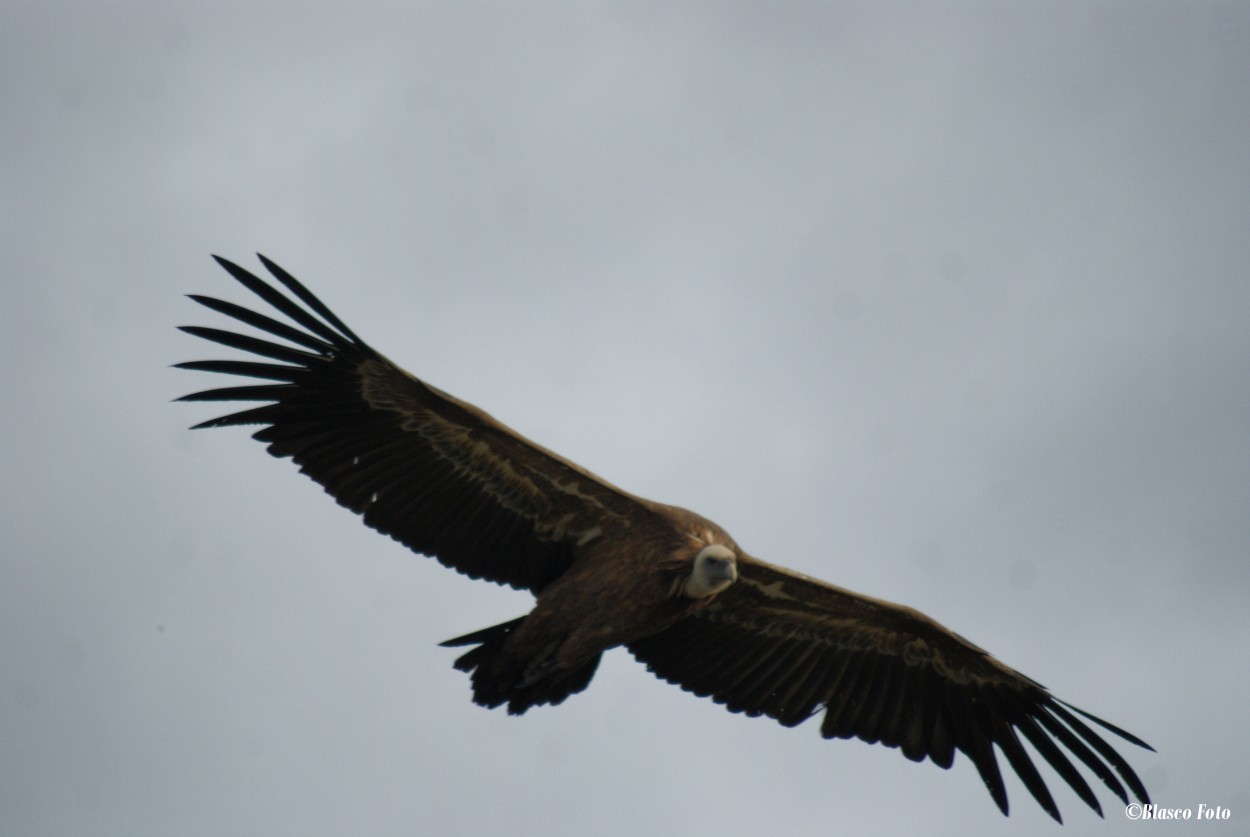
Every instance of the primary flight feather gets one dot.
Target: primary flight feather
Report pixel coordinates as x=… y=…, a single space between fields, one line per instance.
x=608 y=568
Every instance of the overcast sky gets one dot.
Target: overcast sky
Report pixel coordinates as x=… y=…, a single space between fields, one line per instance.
x=945 y=303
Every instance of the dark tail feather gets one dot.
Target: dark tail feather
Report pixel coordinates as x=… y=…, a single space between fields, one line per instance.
x=499 y=679
x=497 y=632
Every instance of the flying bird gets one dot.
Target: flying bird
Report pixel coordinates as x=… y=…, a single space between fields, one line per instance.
x=608 y=568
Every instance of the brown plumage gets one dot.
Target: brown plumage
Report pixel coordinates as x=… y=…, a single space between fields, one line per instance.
x=609 y=568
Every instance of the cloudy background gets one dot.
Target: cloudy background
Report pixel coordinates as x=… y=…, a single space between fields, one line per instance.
x=948 y=304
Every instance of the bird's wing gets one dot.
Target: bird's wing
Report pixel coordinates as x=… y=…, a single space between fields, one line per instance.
x=781 y=644
x=433 y=472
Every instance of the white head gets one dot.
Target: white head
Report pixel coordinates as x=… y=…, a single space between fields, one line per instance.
x=715 y=568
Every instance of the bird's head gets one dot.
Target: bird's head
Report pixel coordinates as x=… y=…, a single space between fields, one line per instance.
x=714 y=568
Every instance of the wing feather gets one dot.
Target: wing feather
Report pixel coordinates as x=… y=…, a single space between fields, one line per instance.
x=792 y=672
x=760 y=694
x=880 y=721
x=789 y=646
x=918 y=724
x=793 y=703
x=1004 y=735
x=1045 y=745
x=973 y=736
x=940 y=746
x=433 y=472
x=812 y=688
x=1103 y=748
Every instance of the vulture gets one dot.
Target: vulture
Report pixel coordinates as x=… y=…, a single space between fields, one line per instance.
x=608 y=568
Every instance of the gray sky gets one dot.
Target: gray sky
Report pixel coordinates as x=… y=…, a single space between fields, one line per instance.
x=945 y=303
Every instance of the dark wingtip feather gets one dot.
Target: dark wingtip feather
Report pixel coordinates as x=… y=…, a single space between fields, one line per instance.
x=307 y=297
x=254 y=345
x=262 y=322
x=285 y=304
x=1060 y=762
x=478 y=637
x=1110 y=727
x=247 y=368
x=1104 y=749
x=1009 y=743
x=228 y=265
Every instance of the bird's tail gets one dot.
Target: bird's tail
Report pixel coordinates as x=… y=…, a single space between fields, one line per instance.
x=499 y=678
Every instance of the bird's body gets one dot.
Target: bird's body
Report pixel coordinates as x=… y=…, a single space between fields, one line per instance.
x=611 y=569
x=592 y=607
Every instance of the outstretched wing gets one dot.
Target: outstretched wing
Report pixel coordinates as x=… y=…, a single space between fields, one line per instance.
x=781 y=644
x=433 y=472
